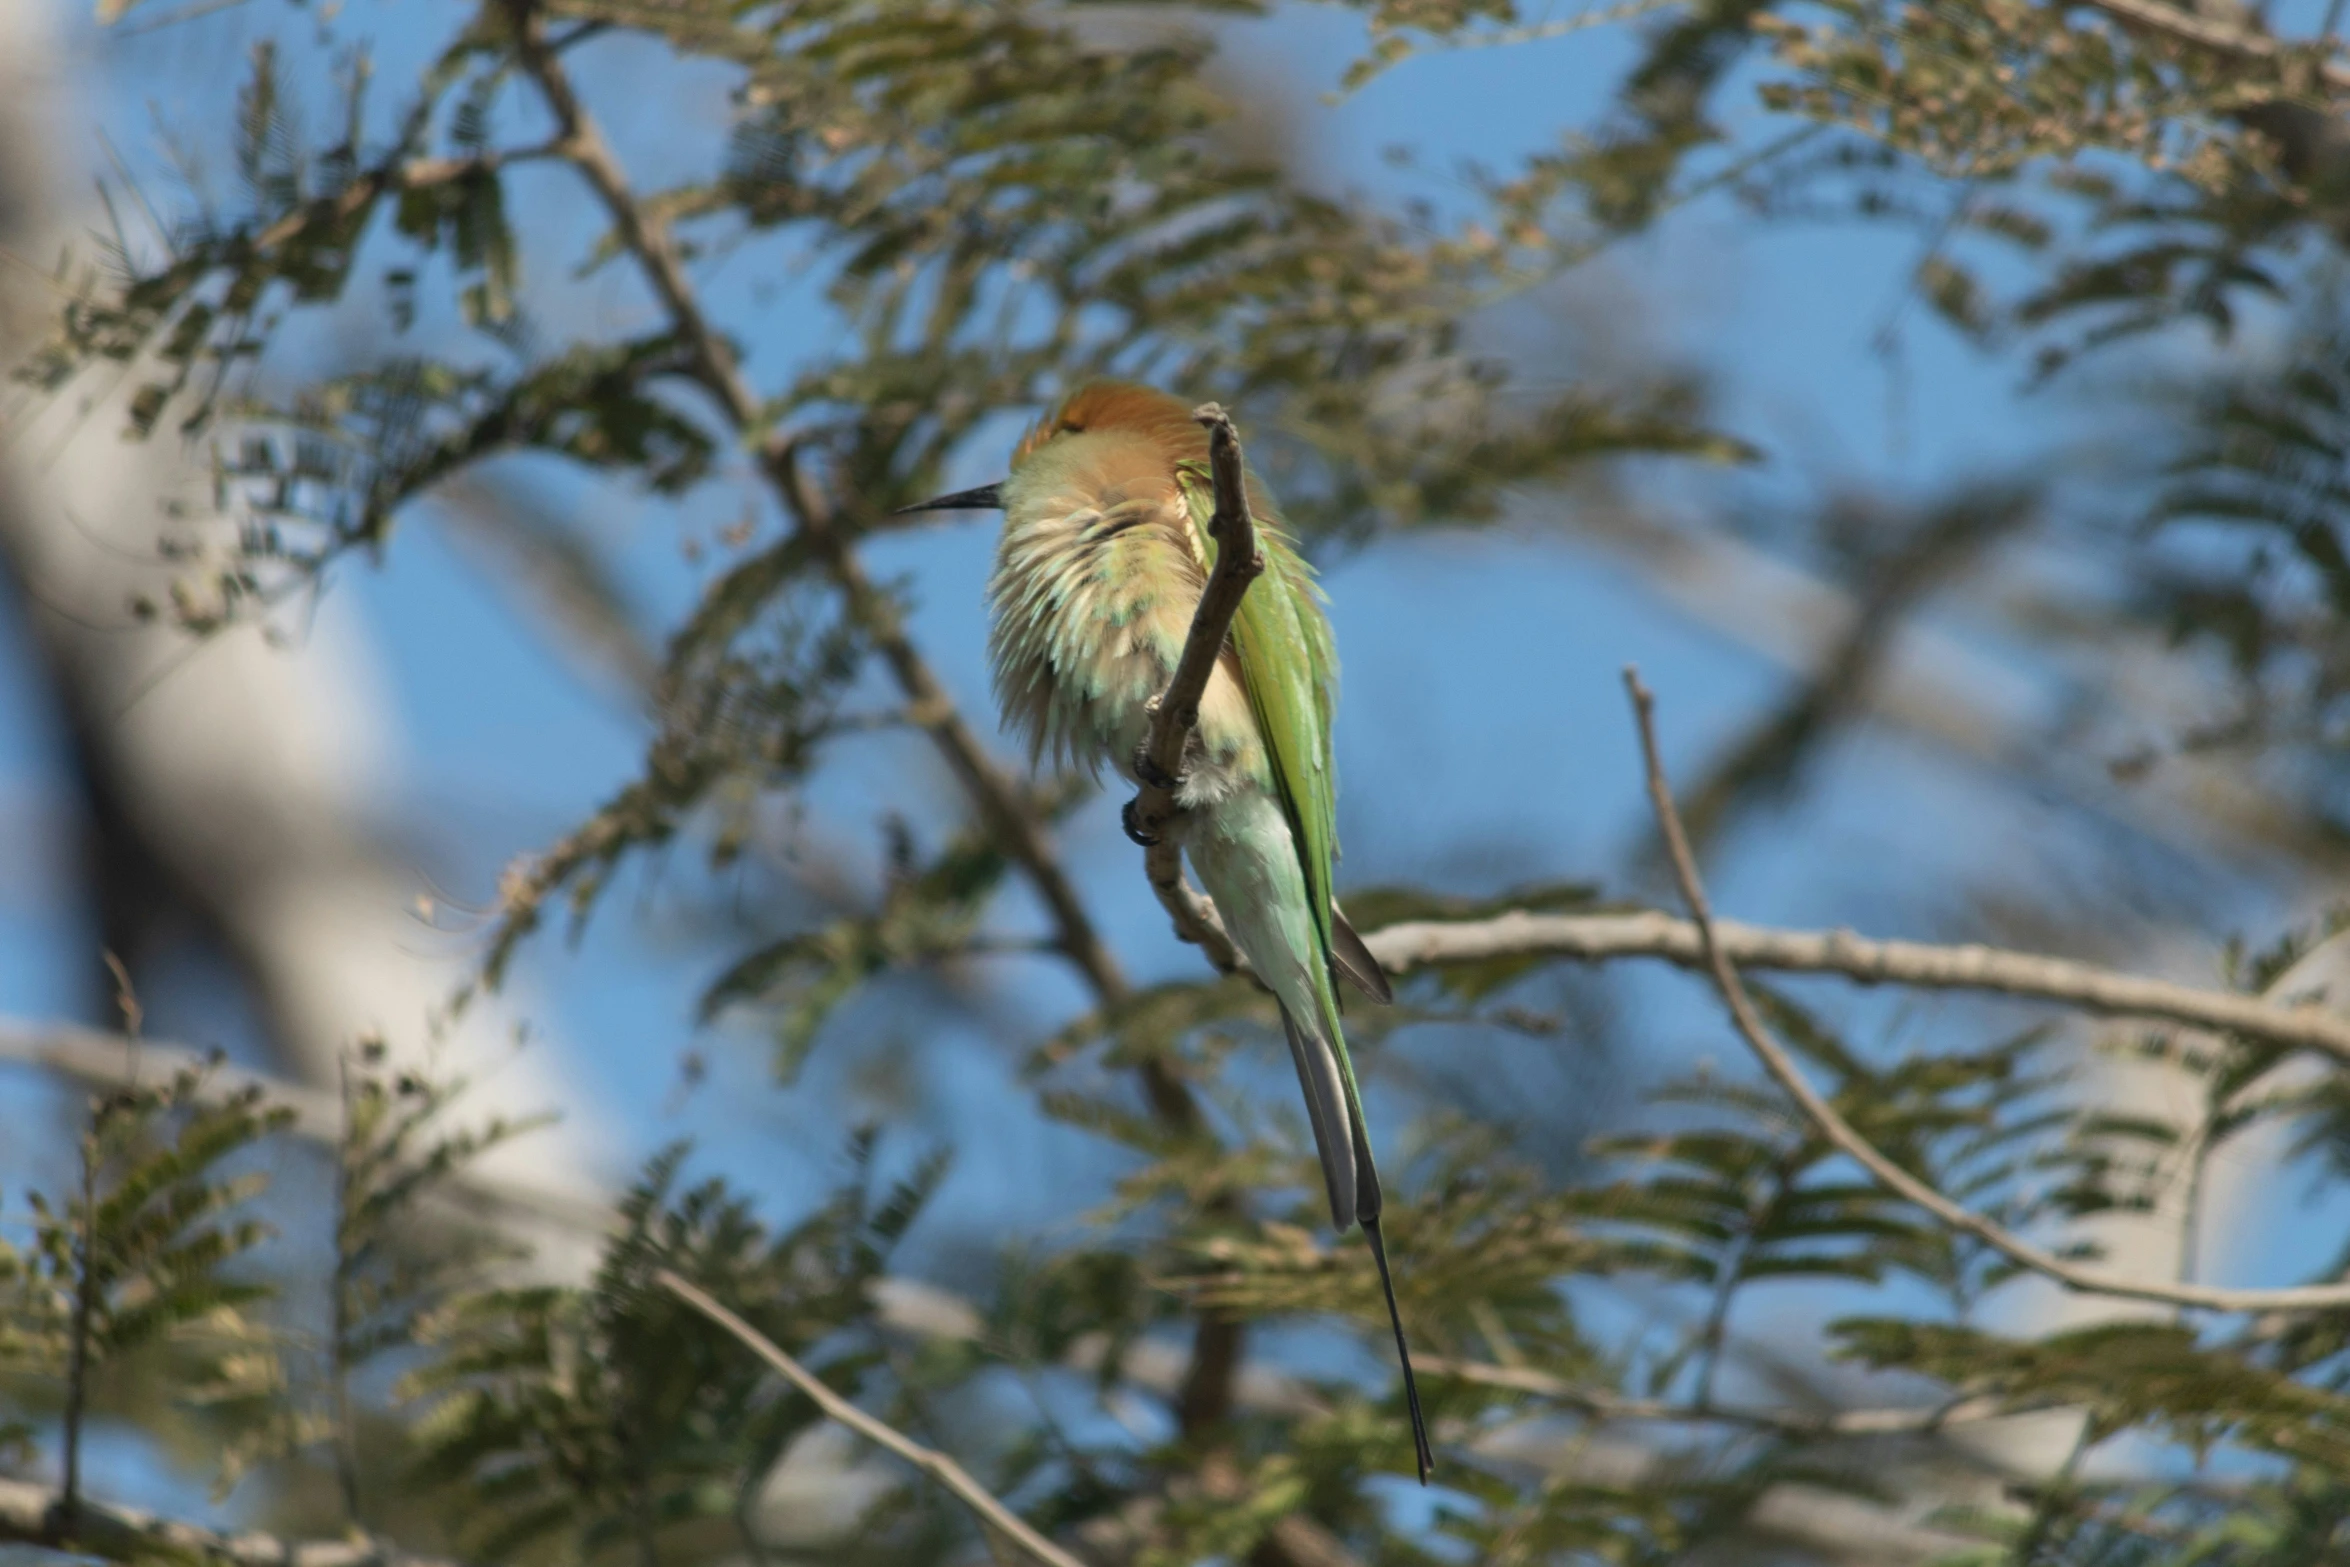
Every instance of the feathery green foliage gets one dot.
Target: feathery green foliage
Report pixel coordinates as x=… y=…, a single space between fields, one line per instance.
x=140 y=1264
x=615 y=1419
x=981 y=203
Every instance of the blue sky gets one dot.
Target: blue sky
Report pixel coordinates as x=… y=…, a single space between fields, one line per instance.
x=1482 y=739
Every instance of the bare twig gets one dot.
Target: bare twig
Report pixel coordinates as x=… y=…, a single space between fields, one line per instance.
x=391 y=179
x=1606 y=1404
x=85 y=1306
x=92 y=1056
x=1401 y=948
x=1945 y=689
x=1002 y=808
x=899 y=1305
x=999 y=801
x=935 y=1464
x=2187 y=27
x=1175 y=712
x=1840 y=1133
x=1194 y=917
x=1598 y=938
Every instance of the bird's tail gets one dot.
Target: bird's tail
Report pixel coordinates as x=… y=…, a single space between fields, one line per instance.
x=1248 y=862
x=1350 y=1176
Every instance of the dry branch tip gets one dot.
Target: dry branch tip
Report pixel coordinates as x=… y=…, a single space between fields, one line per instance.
x=1010 y=1525
x=1840 y=1133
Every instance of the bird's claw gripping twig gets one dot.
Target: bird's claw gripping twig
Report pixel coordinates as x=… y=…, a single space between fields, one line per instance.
x=1152 y=773
x=1131 y=819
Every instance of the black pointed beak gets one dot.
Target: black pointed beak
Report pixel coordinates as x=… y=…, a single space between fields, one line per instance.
x=988 y=497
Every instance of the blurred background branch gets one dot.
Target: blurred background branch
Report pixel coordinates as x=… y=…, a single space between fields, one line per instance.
x=412 y=560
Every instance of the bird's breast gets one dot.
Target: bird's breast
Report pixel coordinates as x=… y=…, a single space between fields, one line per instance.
x=1093 y=592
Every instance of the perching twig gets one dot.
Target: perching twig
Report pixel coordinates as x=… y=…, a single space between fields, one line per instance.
x=931 y=1462
x=1599 y=938
x=1196 y=919
x=1840 y=1133
x=1175 y=713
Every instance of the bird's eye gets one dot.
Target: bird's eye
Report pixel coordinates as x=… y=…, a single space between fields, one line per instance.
x=1071 y=427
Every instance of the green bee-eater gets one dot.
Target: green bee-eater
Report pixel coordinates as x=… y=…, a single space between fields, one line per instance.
x=1104 y=554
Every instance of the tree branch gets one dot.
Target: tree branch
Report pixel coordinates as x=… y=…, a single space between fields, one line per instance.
x=931 y=1462
x=130 y=1533
x=94 y=1056
x=1605 y=1404
x=1175 y=712
x=900 y=1305
x=996 y=797
x=1598 y=938
x=1839 y=1132
x=998 y=801
x=2185 y=26
x=404 y=174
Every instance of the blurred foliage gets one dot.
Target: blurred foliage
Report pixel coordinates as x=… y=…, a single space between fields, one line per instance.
x=136 y=1275
x=616 y=1419
x=987 y=202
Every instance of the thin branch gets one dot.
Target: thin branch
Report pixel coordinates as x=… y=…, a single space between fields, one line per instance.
x=1592 y=938
x=407 y=174
x=68 y=1519
x=920 y=1310
x=92 y=1056
x=1543 y=32
x=1839 y=1132
x=1943 y=688
x=1001 y=806
x=130 y=1534
x=2185 y=26
x=1599 y=938
x=1605 y=1404
x=999 y=801
x=931 y=1462
x=1175 y=711
x=1195 y=918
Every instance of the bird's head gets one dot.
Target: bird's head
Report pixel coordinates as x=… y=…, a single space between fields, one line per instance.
x=1096 y=408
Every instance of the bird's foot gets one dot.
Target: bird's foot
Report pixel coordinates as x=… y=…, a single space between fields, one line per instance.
x=1151 y=773
x=1131 y=819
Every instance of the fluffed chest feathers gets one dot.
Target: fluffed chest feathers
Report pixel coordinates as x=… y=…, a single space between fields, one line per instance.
x=1096 y=579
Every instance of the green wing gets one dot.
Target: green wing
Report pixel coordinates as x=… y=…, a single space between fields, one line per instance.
x=1290 y=671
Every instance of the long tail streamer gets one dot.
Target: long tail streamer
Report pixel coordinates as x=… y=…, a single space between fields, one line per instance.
x=1411 y=1387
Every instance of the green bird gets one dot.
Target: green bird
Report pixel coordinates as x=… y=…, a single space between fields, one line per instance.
x=1104 y=554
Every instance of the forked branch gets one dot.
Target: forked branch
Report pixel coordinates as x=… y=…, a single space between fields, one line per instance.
x=1175 y=714
x=1840 y=1133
